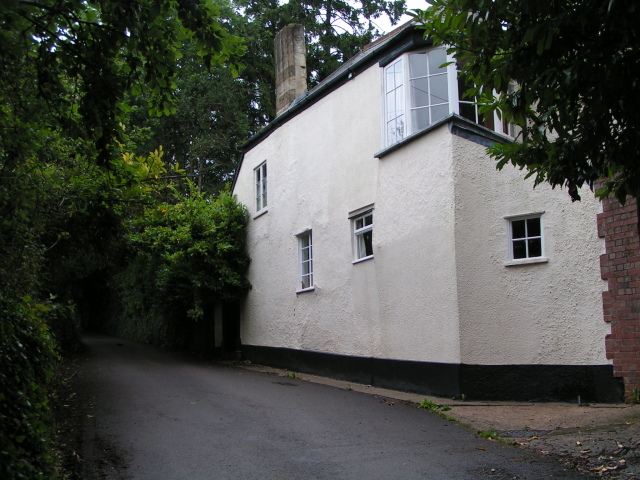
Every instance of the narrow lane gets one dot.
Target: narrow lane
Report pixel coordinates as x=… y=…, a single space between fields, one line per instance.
x=170 y=417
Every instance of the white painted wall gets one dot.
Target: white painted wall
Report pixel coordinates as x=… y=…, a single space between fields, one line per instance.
x=547 y=313
x=320 y=167
x=416 y=267
x=437 y=289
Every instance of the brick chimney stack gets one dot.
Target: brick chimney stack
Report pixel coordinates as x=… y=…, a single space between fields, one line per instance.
x=291 y=66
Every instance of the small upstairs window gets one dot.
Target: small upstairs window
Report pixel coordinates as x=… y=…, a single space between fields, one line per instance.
x=261 y=186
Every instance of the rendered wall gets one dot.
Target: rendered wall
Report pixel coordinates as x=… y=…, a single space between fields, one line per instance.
x=437 y=289
x=537 y=314
x=321 y=166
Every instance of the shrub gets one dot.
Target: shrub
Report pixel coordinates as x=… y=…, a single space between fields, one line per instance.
x=27 y=357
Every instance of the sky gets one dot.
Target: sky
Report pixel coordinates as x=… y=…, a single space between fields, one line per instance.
x=385 y=25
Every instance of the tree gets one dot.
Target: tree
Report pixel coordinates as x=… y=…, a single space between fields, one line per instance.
x=335 y=30
x=85 y=55
x=215 y=112
x=66 y=67
x=574 y=66
x=210 y=121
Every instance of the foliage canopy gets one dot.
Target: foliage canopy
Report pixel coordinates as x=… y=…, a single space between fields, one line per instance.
x=66 y=179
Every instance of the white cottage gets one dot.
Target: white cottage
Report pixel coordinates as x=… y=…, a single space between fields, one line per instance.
x=387 y=250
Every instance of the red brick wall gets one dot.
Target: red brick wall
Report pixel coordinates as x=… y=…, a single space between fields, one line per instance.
x=620 y=266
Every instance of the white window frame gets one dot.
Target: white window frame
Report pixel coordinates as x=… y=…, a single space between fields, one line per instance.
x=499 y=125
x=359 y=236
x=512 y=261
x=305 y=262
x=402 y=94
x=260 y=182
x=402 y=116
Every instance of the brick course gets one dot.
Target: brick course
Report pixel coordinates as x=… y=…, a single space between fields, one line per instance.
x=620 y=266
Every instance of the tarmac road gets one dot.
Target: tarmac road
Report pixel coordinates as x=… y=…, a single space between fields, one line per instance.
x=154 y=415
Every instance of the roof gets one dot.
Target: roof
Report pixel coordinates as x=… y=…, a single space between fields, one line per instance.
x=382 y=50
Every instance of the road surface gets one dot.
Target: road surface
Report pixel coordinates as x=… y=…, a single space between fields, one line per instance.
x=153 y=415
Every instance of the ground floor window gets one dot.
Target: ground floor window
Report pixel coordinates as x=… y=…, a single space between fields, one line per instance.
x=305 y=256
x=363 y=236
x=526 y=238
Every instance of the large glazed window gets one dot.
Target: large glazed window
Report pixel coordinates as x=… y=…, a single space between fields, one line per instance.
x=429 y=88
x=422 y=88
x=394 y=102
x=426 y=101
x=305 y=256
x=261 y=186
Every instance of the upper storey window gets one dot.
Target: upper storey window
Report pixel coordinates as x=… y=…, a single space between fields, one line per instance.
x=416 y=93
x=260 y=175
x=422 y=88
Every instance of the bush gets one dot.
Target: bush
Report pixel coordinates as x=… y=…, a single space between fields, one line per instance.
x=189 y=254
x=27 y=357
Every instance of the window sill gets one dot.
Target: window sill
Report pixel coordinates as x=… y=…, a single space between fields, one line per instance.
x=363 y=259
x=310 y=289
x=261 y=213
x=526 y=261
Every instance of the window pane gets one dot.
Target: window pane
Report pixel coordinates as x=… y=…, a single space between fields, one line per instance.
x=367 y=238
x=463 y=86
x=359 y=223
x=519 y=249
x=533 y=227
x=390 y=79
x=361 y=247
x=399 y=102
x=488 y=121
x=398 y=74
x=518 y=229
x=392 y=108
x=439 y=112
x=535 y=247
x=364 y=244
x=437 y=58
x=467 y=110
x=439 y=89
x=391 y=132
x=368 y=220
x=305 y=268
x=395 y=130
x=419 y=119
x=264 y=192
x=305 y=254
x=420 y=92
x=418 y=65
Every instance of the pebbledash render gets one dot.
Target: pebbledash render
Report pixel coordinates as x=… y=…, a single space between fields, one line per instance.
x=388 y=250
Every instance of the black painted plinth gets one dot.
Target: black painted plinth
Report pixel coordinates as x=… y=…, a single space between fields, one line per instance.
x=593 y=383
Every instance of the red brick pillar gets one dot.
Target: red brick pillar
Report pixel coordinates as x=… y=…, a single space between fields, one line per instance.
x=620 y=266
